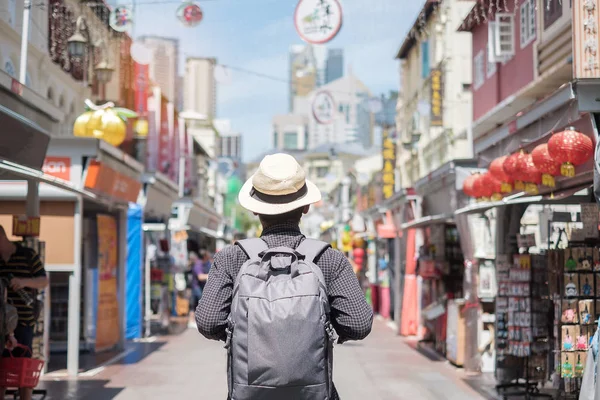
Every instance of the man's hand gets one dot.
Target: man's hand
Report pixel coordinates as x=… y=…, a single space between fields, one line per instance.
x=18 y=283
x=11 y=342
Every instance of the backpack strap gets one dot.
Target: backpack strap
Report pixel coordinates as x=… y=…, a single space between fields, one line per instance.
x=312 y=249
x=252 y=247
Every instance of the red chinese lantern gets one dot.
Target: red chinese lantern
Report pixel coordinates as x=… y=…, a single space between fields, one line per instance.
x=468 y=185
x=493 y=187
x=511 y=168
x=481 y=189
x=570 y=148
x=547 y=165
x=359 y=257
x=529 y=174
x=497 y=171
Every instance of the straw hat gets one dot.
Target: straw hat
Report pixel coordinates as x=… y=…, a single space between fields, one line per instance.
x=279 y=186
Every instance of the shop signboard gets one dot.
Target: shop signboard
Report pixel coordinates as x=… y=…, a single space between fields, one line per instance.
x=103 y=179
x=389 y=165
x=26 y=226
x=586 y=57
x=58 y=167
x=437 y=94
x=141 y=89
x=107 y=314
x=153 y=125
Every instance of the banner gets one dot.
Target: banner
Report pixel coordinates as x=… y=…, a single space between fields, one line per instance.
x=389 y=165
x=107 y=317
x=437 y=98
x=141 y=89
x=154 y=118
x=164 y=153
x=175 y=142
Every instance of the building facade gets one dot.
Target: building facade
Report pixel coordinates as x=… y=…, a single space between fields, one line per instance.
x=303 y=72
x=200 y=87
x=434 y=105
x=230 y=146
x=163 y=68
x=352 y=119
x=290 y=132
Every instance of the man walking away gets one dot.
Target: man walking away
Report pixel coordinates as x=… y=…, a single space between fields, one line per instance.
x=25 y=271
x=279 y=301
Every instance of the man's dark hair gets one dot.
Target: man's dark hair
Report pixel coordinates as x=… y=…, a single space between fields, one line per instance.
x=239 y=236
x=293 y=216
x=2 y=231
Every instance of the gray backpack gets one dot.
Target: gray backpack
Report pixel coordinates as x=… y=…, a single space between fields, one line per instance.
x=279 y=336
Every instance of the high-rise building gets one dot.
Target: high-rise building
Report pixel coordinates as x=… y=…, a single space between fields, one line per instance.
x=200 y=87
x=230 y=146
x=334 y=68
x=163 y=68
x=303 y=72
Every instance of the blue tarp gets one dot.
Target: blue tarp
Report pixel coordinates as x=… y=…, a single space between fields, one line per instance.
x=133 y=273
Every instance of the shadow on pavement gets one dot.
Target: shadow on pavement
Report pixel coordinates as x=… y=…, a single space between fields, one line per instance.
x=78 y=389
x=137 y=351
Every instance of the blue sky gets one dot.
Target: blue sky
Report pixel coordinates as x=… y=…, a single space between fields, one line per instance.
x=257 y=34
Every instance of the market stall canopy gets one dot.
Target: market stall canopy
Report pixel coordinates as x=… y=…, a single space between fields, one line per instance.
x=428 y=220
x=24 y=142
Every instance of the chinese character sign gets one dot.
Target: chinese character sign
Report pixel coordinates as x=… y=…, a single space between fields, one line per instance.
x=437 y=92
x=388 y=176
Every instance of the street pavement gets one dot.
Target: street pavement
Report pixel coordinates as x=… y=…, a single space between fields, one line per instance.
x=382 y=367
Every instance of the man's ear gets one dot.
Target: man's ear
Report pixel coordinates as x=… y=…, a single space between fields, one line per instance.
x=306 y=209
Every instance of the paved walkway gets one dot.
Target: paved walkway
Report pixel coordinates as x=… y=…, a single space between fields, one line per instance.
x=382 y=367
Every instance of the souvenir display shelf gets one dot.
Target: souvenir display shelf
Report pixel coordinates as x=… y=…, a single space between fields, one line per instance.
x=523 y=325
x=575 y=282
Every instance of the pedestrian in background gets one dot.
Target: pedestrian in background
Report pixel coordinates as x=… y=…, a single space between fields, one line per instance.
x=280 y=195
x=24 y=271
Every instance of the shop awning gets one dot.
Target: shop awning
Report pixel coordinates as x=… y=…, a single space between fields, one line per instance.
x=160 y=194
x=428 y=220
x=23 y=142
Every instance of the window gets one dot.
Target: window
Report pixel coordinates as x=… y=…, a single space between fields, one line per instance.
x=424 y=59
x=12 y=13
x=491 y=65
x=290 y=141
x=322 y=172
x=478 y=70
x=552 y=12
x=501 y=41
x=9 y=68
x=528 y=10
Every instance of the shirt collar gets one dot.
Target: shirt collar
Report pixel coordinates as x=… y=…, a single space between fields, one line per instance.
x=287 y=227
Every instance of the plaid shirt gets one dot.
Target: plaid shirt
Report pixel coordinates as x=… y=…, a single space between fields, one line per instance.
x=351 y=316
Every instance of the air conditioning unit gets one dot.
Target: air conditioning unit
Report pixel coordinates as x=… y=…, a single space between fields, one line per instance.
x=501 y=38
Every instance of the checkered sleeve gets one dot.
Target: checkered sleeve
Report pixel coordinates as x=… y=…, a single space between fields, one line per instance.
x=215 y=303
x=351 y=315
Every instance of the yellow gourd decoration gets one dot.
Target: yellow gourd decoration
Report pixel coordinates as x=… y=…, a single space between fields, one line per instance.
x=80 y=126
x=114 y=130
x=103 y=122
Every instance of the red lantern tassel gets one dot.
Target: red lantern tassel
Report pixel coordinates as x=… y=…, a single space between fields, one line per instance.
x=548 y=180
x=519 y=185
x=531 y=188
x=506 y=187
x=567 y=169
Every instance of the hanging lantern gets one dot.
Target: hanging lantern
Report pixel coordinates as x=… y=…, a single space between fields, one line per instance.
x=529 y=174
x=493 y=187
x=497 y=171
x=511 y=168
x=189 y=14
x=571 y=148
x=468 y=185
x=548 y=166
x=480 y=191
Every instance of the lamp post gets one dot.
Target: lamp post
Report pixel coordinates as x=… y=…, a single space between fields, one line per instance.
x=80 y=44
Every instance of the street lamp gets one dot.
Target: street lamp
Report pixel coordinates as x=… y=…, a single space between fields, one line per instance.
x=78 y=45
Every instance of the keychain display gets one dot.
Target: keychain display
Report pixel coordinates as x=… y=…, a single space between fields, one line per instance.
x=586 y=285
x=569 y=312
x=586 y=312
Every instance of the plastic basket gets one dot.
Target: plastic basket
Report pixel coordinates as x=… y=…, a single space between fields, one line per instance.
x=20 y=372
